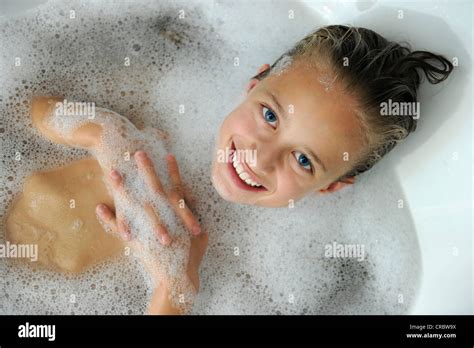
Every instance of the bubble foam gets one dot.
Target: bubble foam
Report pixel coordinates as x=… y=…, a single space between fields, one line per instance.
x=183 y=79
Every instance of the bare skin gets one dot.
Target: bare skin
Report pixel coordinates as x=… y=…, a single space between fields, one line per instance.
x=56 y=212
x=50 y=222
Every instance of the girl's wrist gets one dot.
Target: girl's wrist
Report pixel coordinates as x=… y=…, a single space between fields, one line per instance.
x=163 y=283
x=173 y=297
x=193 y=276
x=160 y=302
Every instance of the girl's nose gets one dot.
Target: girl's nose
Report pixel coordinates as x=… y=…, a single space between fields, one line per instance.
x=266 y=160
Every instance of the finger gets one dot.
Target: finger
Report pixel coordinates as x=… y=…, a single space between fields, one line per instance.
x=175 y=177
x=123 y=228
x=160 y=229
x=188 y=197
x=176 y=197
x=198 y=247
x=183 y=211
x=116 y=181
x=145 y=165
x=107 y=217
x=116 y=225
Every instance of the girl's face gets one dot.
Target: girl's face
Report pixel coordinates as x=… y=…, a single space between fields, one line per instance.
x=294 y=133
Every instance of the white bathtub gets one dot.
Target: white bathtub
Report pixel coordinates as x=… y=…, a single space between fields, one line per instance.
x=434 y=165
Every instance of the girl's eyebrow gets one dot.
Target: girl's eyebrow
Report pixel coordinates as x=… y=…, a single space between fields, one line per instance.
x=281 y=112
x=316 y=158
x=275 y=101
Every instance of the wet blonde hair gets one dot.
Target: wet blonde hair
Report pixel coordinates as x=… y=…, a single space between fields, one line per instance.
x=375 y=70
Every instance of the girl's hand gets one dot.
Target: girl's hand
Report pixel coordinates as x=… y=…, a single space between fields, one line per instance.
x=175 y=195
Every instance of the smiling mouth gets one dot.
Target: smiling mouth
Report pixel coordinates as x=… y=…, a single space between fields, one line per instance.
x=241 y=177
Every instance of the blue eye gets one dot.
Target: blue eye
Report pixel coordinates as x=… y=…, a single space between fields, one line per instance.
x=269 y=116
x=303 y=160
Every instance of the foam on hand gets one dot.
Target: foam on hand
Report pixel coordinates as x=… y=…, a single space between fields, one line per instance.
x=119 y=140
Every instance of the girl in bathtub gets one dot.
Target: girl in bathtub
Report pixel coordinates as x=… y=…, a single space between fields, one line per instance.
x=327 y=110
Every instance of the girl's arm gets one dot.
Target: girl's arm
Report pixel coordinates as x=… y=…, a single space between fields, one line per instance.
x=86 y=136
x=160 y=303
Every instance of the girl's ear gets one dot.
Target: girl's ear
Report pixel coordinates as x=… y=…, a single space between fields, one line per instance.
x=335 y=186
x=253 y=82
x=264 y=67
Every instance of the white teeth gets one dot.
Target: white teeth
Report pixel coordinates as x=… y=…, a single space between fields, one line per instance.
x=251 y=183
x=242 y=173
x=244 y=176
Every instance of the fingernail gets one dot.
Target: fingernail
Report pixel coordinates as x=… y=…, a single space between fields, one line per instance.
x=140 y=154
x=196 y=230
x=126 y=236
x=100 y=208
x=114 y=174
x=170 y=156
x=165 y=239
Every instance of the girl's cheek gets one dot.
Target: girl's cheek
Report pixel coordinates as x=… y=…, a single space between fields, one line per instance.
x=243 y=120
x=302 y=182
x=289 y=189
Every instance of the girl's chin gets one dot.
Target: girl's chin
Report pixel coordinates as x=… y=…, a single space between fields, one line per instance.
x=221 y=188
x=227 y=194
